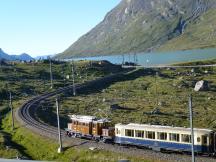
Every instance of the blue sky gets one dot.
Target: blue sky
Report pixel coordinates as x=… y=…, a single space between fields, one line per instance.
x=41 y=27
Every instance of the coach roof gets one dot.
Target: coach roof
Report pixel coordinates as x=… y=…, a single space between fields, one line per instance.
x=159 y=128
x=84 y=118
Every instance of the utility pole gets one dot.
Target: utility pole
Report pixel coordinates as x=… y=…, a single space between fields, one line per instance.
x=63 y=74
x=1 y=65
x=34 y=78
x=11 y=107
x=191 y=125
x=123 y=60
x=135 y=59
x=59 y=129
x=51 y=76
x=129 y=60
x=72 y=70
x=156 y=89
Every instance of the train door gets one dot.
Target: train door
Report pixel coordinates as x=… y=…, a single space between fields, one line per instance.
x=215 y=142
x=211 y=142
x=205 y=143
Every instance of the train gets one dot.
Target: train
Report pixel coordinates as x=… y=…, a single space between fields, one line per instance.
x=155 y=137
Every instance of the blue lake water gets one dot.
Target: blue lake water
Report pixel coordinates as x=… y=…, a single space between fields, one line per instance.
x=159 y=58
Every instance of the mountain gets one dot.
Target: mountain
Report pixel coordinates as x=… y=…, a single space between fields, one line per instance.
x=146 y=25
x=22 y=57
x=3 y=55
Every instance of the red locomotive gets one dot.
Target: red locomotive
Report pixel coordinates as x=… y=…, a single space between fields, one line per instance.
x=90 y=127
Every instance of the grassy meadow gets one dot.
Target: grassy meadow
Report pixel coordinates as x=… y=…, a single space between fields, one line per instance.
x=25 y=80
x=155 y=96
x=133 y=97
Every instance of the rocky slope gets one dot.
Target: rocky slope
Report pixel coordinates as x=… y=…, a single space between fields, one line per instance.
x=140 y=25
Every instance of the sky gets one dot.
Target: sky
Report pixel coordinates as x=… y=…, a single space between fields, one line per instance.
x=44 y=27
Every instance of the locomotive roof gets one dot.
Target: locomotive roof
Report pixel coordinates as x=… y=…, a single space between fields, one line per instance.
x=160 y=127
x=85 y=118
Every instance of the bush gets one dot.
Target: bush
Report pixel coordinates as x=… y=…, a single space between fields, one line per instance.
x=3 y=94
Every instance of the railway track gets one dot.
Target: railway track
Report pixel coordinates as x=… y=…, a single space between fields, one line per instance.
x=25 y=115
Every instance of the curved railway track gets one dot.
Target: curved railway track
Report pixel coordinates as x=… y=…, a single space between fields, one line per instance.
x=25 y=115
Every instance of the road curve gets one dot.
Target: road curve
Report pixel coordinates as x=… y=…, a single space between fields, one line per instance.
x=25 y=116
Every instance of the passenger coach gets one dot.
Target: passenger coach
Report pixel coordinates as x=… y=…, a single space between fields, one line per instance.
x=165 y=137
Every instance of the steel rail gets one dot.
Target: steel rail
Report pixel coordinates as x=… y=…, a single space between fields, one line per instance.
x=25 y=113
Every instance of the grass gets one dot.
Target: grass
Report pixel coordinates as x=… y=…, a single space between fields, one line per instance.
x=199 y=34
x=27 y=80
x=5 y=151
x=135 y=92
x=140 y=92
x=40 y=148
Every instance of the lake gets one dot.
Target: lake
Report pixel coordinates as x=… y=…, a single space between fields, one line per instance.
x=159 y=58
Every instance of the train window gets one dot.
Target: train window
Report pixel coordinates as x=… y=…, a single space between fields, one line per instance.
x=139 y=133
x=118 y=131
x=198 y=139
x=204 y=140
x=150 y=135
x=186 y=138
x=174 y=137
x=162 y=136
x=129 y=132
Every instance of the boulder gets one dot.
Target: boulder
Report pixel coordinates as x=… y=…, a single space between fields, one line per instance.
x=201 y=86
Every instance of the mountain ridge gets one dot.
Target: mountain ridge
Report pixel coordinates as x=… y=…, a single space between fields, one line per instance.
x=21 y=57
x=138 y=26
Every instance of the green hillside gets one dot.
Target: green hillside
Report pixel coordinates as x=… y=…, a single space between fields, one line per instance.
x=199 y=34
x=146 y=25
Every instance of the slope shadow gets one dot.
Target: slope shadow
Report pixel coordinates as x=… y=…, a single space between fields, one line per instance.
x=21 y=149
x=99 y=85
